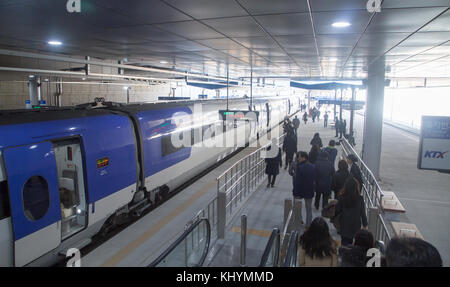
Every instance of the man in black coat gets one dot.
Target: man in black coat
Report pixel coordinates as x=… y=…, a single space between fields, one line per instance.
x=304 y=180
x=296 y=123
x=290 y=147
x=332 y=152
x=337 y=126
x=355 y=171
x=324 y=176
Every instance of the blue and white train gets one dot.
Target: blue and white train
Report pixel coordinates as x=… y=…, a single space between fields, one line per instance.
x=67 y=173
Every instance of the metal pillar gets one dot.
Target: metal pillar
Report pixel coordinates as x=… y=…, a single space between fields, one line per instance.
x=243 y=239
x=340 y=108
x=228 y=86
x=34 y=86
x=335 y=99
x=373 y=123
x=128 y=95
x=352 y=111
x=251 y=87
x=309 y=100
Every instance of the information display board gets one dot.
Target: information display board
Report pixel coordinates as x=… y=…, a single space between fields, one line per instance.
x=434 y=151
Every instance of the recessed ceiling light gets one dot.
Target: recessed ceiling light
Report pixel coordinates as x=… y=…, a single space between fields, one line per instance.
x=163 y=62
x=55 y=43
x=340 y=24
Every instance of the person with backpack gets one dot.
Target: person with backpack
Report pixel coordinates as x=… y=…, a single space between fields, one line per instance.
x=355 y=171
x=305 y=117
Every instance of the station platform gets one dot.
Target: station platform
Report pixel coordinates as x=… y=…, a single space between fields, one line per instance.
x=423 y=194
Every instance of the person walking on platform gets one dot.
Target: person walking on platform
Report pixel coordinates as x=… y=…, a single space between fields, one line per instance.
x=289 y=147
x=304 y=183
x=273 y=165
x=325 y=120
x=305 y=117
x=350 y=211
x=316 y=140
x=355 y=171
x=339 y=178
x=316 y=246
x=324 y=177
x=318 y=115
x=296 y=123
x=314 y=114
x=337 y=125
x=332 y=152
x=343 y=128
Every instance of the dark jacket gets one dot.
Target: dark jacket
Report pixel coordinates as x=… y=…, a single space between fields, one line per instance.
x=273 y=164
x=350 y=219
x=332 y=153
x=356 y=173
x=324 y=174
x=317 y=141
x=304 y=180
x=339 y=179
x=296 y=123
x=290 y=144
x=313 y=154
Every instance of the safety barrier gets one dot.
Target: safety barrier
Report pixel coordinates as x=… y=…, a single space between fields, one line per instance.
x=237 y=183
x=373 y=197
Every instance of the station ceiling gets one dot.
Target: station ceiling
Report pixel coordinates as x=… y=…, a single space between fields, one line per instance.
x=293 y=38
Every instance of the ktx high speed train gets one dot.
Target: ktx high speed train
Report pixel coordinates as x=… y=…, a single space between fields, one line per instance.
x=67 y=173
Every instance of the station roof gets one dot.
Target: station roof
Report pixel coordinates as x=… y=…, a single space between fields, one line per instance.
x=292 y=38
x=326 y=85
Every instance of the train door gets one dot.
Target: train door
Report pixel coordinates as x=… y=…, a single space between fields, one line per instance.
x=34 y=200
x=69 y=165
x=6 y=237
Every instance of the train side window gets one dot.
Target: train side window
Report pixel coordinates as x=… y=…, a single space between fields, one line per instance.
x=4 y=200
x=36 y=198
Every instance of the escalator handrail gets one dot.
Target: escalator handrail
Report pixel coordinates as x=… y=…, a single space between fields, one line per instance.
x=274 y=236
x=180 y=240
x=291 y=249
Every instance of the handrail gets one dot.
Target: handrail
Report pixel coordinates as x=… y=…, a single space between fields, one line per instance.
x=291 y=250
x=362 y=162
x=183 y=237
x=274 y=236
x=247 y=156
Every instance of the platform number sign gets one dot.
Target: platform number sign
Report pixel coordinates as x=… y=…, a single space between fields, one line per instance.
x=434 y=151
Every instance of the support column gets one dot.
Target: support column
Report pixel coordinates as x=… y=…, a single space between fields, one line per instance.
x=340 y=108
x=352 y=110
x=228 y=85
x=309 y=100
x=373 y=123
x=335 y=99
x=251 y=87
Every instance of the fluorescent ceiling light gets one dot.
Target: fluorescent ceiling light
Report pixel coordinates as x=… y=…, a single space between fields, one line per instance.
x=163 y=62
x=55 y=43
x=340 y=24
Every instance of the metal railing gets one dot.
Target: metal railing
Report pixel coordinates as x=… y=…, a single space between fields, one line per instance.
x=189 y=250
x=237 y=183
x=271 y=253
x=373 y=197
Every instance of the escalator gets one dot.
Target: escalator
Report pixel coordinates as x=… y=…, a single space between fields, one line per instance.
x=190 y=249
